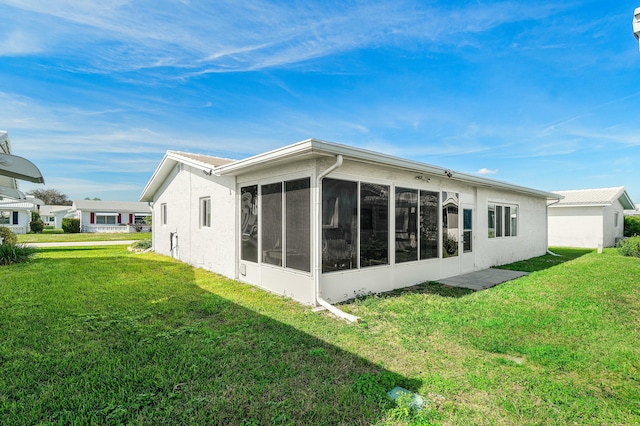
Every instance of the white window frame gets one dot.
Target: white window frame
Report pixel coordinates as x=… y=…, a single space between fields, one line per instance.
x=499 y=213
x=163 y=213
x=205 y=212
x=6 y=217
x=105 y=217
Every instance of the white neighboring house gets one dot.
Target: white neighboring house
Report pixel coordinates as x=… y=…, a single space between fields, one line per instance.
x=53 y=215
x=111 y=216
x=634 y=212
x=16 y=215
x=589 y=218
x=321 y=222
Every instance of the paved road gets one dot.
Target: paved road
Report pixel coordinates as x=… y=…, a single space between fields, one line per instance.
x=83 y=243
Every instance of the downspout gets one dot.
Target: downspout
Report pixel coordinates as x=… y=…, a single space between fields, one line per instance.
x=318 y=254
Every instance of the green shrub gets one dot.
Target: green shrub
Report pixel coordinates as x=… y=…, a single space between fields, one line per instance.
x=141 y=245
x=15 y=253
x=7 y=235
x=70 y=225
x=629 y=247
x=36 y=226
x=631 y=226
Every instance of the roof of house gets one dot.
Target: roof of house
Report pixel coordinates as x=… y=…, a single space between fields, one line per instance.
x=48 y=210
x=595 y=197
x=16 y=205
x=112 y=206
x=314 y=148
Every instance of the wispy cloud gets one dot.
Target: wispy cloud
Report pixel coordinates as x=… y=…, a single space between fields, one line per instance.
x=230 y=36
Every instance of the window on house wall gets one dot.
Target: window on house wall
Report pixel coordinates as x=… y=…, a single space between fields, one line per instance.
x=105 y=219
x=205 y=212
x=289 y=246
x=503 y=220
x=272 y=223
x=450 y=223
x=140 y=219
x=298 y=224
x=5 y=218
x=467 y=230
x=406 y=211
x=429 y=229
x=492 y=220
x=339 y=225
x=249 y=223
x=163 y=213
x=374 y=224
x=615 y=219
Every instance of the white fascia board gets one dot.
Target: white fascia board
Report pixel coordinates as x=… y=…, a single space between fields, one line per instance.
x=314 y=147
x=167 y=164
x=559 y=206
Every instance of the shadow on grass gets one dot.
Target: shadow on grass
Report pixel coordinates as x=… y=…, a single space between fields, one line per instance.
x=564 y=254
x=131 y=339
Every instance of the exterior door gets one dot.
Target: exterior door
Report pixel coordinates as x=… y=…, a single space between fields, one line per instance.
x=468 y=239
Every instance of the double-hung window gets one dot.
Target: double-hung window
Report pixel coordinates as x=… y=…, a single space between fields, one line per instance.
x=502 y=220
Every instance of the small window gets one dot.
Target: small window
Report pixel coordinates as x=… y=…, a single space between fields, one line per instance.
x=205 y=212
x=5 y=218
x=502 y=220
x=467 y=230
x=163 y=213
x=615 y=219
x=103 y=219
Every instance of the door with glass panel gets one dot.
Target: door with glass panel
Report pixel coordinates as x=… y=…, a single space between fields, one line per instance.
x=468 y=239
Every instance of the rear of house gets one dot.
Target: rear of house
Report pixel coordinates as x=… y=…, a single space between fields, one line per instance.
x=321 y=221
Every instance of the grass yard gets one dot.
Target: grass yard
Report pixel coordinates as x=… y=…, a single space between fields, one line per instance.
x=99 y=335
x=81 y=237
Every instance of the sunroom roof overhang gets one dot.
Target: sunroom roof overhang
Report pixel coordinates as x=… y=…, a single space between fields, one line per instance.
x=314 y=148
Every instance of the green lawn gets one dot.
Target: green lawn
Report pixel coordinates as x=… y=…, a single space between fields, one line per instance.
x=80 y=237
x=102 y=336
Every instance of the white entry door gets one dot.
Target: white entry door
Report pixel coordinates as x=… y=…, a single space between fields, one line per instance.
x=467 y=260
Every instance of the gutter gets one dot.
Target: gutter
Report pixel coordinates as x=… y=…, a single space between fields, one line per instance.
x=318 y=254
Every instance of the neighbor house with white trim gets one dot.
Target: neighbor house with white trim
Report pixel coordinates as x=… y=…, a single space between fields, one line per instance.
x=111 y=216
x=589 y=218
x=322 y=222
x=16 y=215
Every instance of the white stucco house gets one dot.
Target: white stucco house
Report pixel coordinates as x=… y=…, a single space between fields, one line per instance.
x=589 y=218
x=111 y=216
x=322 y=222
x=53 y=215
x=16 y=215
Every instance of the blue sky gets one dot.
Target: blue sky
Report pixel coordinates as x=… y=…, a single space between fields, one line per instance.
x=543 y=94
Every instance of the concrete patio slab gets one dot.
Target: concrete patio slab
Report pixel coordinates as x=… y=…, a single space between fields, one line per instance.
x=481 y=280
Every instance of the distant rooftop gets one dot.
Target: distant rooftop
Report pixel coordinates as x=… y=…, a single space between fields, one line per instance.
x=595 y=197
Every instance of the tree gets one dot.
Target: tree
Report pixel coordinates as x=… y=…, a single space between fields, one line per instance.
x=51 y=197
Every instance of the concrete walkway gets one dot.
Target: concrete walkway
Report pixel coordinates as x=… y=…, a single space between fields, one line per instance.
x=481 y=280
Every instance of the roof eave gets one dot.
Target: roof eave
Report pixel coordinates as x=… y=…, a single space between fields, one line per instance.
x=315 y=147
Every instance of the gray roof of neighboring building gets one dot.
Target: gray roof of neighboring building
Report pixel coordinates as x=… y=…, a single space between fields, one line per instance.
x=595 y=197
x=112 y=206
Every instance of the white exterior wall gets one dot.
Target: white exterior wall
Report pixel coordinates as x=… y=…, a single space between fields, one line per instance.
x=576 y=226
x=531 y=239
x=530 y=242
x=218 y=248
x=22 y=227
x=297 y=285
x=612 y=232
x=209 y=248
